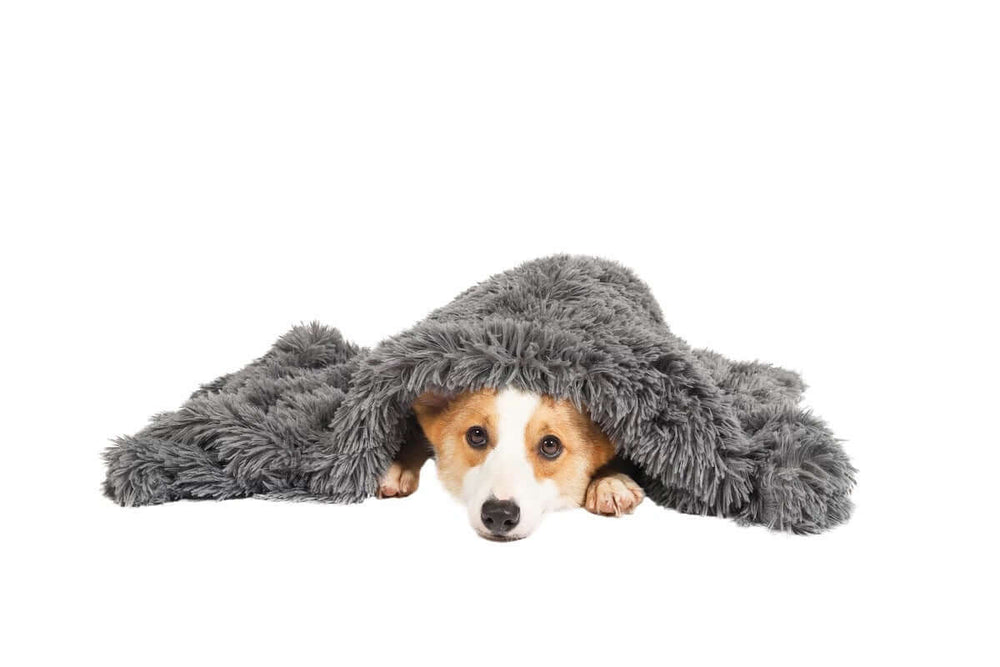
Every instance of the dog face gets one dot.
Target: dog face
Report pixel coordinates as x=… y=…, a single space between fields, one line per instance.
x=512 y=456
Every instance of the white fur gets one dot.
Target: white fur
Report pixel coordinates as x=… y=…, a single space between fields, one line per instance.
x=507 y=472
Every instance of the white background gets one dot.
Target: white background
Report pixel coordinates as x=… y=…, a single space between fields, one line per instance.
x=811 y=184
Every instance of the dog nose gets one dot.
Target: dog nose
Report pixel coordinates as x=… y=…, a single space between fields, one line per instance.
x=500 y=516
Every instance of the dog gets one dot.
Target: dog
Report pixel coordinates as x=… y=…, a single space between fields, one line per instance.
x=510 y=457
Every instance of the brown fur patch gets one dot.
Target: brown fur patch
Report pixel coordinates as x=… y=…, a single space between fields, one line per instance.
x=445 y=422
x=585 y=447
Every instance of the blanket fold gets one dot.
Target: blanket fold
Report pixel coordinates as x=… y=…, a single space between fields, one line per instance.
x=321 y=418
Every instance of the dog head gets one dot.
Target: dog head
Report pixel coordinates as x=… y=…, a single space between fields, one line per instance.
x=511 y=456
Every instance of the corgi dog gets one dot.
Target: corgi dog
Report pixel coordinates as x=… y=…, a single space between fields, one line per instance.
x=511 y=456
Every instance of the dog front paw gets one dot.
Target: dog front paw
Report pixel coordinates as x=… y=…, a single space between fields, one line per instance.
x=613 y=495
x=398 y=481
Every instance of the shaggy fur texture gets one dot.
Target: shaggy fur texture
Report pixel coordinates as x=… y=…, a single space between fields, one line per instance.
x=317 y=417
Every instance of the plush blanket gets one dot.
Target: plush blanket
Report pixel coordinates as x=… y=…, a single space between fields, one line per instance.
x=318 y=417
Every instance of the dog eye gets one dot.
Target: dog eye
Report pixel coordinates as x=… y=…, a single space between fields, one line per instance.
x=477 y=437
x=550 y=447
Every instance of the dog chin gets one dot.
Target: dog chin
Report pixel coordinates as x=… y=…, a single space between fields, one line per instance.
x=519 y=533
x=500 y=538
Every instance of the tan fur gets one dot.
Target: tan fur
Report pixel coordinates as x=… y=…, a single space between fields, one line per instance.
x=585 y=447
x=445 y=422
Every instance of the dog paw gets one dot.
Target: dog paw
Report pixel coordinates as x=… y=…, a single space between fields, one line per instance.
x=613 y=495
x=398 y=481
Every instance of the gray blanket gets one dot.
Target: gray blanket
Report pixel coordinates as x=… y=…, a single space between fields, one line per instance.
x=320 y=418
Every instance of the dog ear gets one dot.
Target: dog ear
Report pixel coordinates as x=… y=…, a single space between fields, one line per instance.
x=431 y=404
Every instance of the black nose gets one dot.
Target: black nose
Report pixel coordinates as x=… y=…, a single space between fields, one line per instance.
x=500 y=516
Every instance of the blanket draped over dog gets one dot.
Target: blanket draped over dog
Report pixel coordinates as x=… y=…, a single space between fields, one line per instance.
x=318 y=417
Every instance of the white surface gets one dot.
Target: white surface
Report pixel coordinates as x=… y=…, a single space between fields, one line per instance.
x=812 y=186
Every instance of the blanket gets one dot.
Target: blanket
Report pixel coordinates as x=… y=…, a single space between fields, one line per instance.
x=318 y=417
